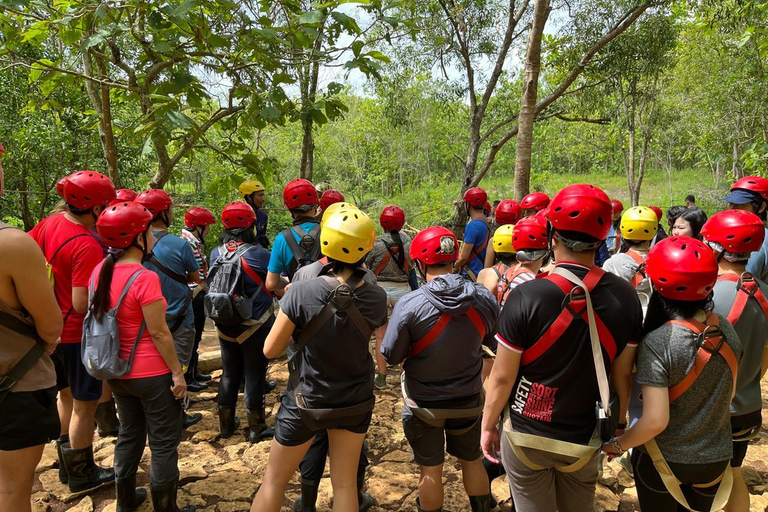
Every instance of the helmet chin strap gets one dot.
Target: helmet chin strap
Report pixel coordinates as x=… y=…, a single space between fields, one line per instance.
x=164 y=217
x=199 y=230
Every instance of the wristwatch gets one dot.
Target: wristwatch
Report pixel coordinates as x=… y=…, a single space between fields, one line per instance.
x=616 y=446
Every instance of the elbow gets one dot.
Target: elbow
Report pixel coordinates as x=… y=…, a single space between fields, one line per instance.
x=656 y=425
x=51 y=330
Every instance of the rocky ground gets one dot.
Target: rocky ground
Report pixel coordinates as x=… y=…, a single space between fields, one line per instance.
x=223 y=475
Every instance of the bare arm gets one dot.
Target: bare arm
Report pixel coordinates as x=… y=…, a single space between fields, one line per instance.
x=490 y=255
x=80 y=298
x=654 y=420
x=488 y=278
x=154 y=316
x=764 y=364
x=276 y=283
x=498 y=391
x=279 y=336
x=621 y=379
x=194 y=277
x=464 y=254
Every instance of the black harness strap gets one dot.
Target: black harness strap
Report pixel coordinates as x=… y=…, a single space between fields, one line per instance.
x=10 y=379
x=178 y=318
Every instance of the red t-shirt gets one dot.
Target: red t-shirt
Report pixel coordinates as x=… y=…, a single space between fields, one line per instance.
x=72 y=266
x=147 y=361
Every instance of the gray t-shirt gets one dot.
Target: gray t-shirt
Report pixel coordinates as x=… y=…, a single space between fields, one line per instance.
x=699 y=429
x=624 y=266
x=392 y=272
x=752 y=329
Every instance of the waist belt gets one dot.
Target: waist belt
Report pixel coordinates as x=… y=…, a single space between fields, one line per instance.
x=437 y=417
x=673 y=484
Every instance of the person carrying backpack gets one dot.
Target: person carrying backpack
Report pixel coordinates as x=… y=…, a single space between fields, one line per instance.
x=686 y=366
x=751 y=194
x=477 y=234
x=560 y=338
x=734 y=235
x=254 y=194
x=508 y=211
x=72 y=253
x=331 y=319
x=149 y=395
x=243 y=312
x=298 y=245
x=197 y=222
x=174 y=262
x=391 y=264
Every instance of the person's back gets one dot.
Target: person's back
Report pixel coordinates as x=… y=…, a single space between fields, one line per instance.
x=383 y=258
x=176 y=255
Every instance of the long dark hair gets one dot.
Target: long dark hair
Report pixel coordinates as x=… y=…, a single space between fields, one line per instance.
x=246 y=235
x=696 y=218
x=661 y=310
x=400 y=256
x=626 y=245
x=101 y=300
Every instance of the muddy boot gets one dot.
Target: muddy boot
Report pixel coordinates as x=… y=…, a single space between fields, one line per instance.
x=308 y=497
x=191 y=419
x=128 y=497
x=364 y=500
x=62 y=468
x=480 y=503
x=258 y=427
x=418 y=507
x=228 y=422
x=164 y=498
x=106 y=419
x=82 y=471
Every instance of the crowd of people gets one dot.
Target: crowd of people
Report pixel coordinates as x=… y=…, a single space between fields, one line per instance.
x=558 y=333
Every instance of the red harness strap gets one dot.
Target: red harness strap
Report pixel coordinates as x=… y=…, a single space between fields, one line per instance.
x=386 y=259
x=253 y=275
x=572 y=309
x=747 y=287
x=639 y=275
x=708 y=345
x=506 y=276
x=440 y=326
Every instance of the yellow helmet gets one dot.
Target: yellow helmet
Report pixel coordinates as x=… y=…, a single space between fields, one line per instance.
x=639 y=223
x=335 y=207
x=502 y=239
x=347 y=235
x=248 y=187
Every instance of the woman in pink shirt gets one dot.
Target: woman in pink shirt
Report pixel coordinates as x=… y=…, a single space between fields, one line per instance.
x=148 y=397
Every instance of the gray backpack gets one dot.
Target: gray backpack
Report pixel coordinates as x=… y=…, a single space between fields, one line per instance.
x=100 y=347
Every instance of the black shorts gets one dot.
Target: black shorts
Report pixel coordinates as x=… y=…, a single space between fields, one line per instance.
x=71 y=373
x=429 y=443
x=28 y=418
x=290 y=429
x=739 y=424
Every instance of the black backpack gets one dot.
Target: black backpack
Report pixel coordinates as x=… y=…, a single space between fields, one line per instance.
x=306 y=251
x=225 y=301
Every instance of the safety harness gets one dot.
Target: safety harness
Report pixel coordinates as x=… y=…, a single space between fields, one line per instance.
x=393 y=252
x=341 y=301
x=640 y=272
x=28 y=360
x=307 y=249
x=173 y=321
x=434 y=416
x=577 y=302
x=476 y=250
x=506 y=275
x=710 y=341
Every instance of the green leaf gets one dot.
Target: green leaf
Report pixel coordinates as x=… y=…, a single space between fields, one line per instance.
x=349 y=23
x=357 y=46
x=179 y=120
x=311 y=17
x=217 y=41
x=375 y=54
x=270 y=113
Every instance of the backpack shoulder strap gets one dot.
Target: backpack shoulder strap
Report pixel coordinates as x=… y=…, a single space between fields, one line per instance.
x=65 y=243
x=168 y=272
x=293 y=245
x=640 y=273
x=127 y=286
x=477 y=250
x=383 y=263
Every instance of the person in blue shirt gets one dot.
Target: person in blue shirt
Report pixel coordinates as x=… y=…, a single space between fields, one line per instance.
x=303 y=246
x=174 y=262
x=253 y=193
x=477 y=234
x=751 y=194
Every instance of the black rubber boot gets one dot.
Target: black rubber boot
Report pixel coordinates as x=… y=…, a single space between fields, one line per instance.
x=164 y=498
x=191 y=419
x=106 y=419
x=418 y=507
x=270 y=386
x=199 y=377
x=194 y=386
x=307 y=500
x=364 y=500
x=82 y=471
x=258 y=427
x=128 y=497
x=480 y=503
x=228 y=422
x=62 y=468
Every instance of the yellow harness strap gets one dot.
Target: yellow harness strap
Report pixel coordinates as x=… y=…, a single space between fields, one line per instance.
x=253 y=326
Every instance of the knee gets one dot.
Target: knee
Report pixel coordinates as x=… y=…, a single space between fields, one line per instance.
x=431 y=475
x=85 y=408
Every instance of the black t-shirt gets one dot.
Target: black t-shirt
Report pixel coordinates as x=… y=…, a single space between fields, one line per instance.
x=336 y=365
x=555 y=395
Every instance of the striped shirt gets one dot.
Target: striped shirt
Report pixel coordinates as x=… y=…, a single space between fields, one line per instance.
x=197 y=251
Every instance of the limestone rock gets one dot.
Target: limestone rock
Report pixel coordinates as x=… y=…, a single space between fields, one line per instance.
x=41 y=502
x=605 y=500
x=208 y=436
x=236 y=486
x=49 y=459
x=233 y=506
x=86 y=505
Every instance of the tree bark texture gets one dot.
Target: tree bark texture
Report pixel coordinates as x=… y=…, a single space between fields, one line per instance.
x=99 y=96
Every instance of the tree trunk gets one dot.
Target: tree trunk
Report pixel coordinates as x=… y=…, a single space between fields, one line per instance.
x=468 y=174
x=527 y=115
x=308 y=98
x=101 y=104
x=307 y=165
x=641 y=170
x=735 y=157
x=631 y=157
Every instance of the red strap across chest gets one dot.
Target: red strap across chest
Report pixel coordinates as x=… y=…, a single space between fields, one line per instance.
x=572 y=310
x=747 y=287
x=638 y=258
x=382 y=264
x=440 y=326
x=710 y=345
x=253 y=275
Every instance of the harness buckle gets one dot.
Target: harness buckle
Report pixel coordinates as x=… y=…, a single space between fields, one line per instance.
x=710 y=331
x=307 y=242
x=300 y=400
x=576 y=294
x=7 y=382
x=747 y=279
x=342 y=296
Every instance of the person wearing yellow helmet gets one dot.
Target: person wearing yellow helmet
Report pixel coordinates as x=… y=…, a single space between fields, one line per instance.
x=254 y=194
x=329 y=354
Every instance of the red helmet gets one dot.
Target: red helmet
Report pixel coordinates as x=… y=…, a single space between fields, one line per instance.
x=120 y=224
x=435 y=245
x=753 y=183
x=60 y=186
x=583 y=209
x=508 y=212
x=542 y=214
x=617 y=206
x=85 y=189
x=475 y=197
x=530 y=234
x=237 y=215
x=736 y=230
x=329 y=197
x=535 y=201
x=155 y=200
x=124 y=195
x=197 y=216
x=392 y=218
x=487 y=208
x=299 y=193
x=658 y=212
x=682 y=268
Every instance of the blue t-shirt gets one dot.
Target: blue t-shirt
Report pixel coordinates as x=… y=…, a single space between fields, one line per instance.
x=258 y=259
x=477 y=234
x=282 y=256
x=176 y=254
x=261 y=228
x=758 y=262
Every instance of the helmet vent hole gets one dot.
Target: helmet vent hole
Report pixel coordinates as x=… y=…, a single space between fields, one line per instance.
x=708 y=288
x=558 y=208
x=683 y=247
x=600 y=221
x=360 y=249
x=731 y=237
x=698 y=256
x=662 y=279
x=574 y=214
x=325 y=243
x=346 y=251
x=747 y=240
x=123 y=234
x=681 y=288
x=646 y=231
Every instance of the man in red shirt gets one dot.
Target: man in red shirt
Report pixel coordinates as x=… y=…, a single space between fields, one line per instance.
x=72 y=252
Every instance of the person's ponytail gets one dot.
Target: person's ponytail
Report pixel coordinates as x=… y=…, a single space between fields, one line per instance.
x=101 y=297
x=400 y=256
